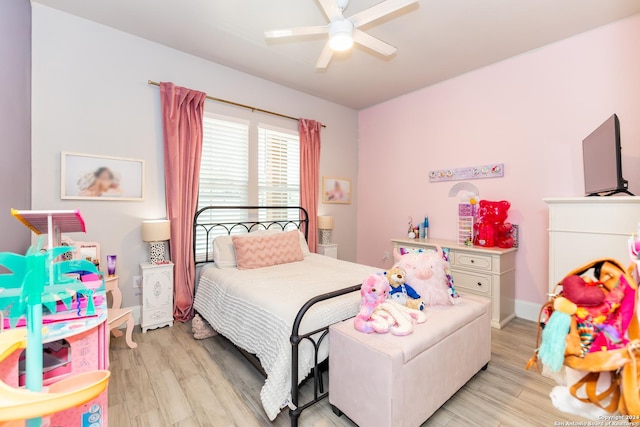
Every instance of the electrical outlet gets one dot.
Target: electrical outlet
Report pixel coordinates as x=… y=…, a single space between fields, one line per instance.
x=137 y=282
x=386 y=255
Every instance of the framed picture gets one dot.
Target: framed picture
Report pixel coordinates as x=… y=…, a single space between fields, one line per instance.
x=88 y=177
x=336 y=190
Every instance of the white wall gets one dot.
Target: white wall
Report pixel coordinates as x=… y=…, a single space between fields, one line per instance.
x=90 y=95
x=15 y=121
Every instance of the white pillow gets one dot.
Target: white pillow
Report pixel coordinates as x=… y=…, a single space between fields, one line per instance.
x=224 y=254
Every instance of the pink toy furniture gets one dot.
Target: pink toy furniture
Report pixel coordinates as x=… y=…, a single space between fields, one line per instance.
x=84 y=347
x=119 y=316
x=386 y=380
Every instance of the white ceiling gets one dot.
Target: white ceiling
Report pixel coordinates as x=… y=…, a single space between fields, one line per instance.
x=436 y=39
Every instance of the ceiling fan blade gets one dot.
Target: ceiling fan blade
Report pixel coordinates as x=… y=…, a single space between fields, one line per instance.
x=378 y=11
x=325 y=57
x=331 y=9
x=300 y=31
x=373 y=43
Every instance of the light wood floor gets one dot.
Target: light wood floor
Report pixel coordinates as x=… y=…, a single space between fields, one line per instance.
x=173 y=380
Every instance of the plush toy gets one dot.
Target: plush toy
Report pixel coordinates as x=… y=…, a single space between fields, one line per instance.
x=490 y=228
x=376 y=315
x=426 y=273
x=400 y=292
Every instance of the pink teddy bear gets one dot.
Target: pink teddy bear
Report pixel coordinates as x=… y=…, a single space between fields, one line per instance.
x=378 y=315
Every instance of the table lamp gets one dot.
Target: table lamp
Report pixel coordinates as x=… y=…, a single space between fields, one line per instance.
x=156 y=232
x=325 y=225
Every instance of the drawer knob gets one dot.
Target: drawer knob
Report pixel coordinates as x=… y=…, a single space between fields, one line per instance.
x=472 y=261
x=479 y=284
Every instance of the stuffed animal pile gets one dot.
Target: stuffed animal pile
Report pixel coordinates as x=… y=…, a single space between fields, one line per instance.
x=379 y=315
x=393 y=302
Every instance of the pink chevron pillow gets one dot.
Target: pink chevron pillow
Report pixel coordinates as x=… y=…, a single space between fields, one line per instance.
x=267 y=250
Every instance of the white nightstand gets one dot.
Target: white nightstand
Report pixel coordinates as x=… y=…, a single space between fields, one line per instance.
x=330 y=250
x=157 y=295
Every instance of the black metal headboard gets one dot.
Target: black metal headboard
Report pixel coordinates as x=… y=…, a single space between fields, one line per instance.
x=213 y=221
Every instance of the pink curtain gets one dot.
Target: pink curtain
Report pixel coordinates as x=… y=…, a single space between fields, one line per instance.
x=182 y=112
x=309 y=174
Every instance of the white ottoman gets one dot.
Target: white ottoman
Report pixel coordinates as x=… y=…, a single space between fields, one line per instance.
x=386 y=380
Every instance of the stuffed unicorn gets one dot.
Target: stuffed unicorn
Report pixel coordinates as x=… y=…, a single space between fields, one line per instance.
x=426 y=273
x=377 y=315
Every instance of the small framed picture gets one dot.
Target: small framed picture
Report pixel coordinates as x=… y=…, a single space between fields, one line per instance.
x=89 y=177
x=336 y=190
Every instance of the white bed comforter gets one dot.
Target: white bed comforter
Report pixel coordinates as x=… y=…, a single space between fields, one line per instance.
x=255 y=309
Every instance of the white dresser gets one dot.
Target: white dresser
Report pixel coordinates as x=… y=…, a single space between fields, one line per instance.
x=582 y=229
x=489 y=272
x=157 y=296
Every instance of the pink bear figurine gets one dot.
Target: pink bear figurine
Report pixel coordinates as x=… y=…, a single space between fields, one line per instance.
x=491 y=228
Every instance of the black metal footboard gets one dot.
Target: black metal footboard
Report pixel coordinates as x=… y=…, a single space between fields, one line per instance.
x=296 y=339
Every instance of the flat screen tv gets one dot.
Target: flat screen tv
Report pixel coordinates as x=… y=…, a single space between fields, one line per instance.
x=602 y=156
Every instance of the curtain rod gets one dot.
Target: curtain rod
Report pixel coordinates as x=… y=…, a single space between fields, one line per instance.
x=248 y=107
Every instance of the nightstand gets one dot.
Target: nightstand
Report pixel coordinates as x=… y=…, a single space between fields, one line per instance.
x=157 y=295
x=330 y=250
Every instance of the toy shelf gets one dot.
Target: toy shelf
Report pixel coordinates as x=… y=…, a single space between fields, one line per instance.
x=51 y=222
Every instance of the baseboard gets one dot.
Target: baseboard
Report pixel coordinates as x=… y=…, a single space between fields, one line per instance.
x=527 y=310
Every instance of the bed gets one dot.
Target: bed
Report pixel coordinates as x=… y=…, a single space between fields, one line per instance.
x=279 y=313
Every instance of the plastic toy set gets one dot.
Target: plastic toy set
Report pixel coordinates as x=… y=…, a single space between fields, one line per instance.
x=42 y=301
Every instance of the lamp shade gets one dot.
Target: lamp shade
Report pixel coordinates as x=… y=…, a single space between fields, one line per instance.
x=157 y=230
x=325 y=222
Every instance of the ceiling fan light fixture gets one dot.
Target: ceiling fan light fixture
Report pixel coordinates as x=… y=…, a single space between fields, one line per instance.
x=341 y=35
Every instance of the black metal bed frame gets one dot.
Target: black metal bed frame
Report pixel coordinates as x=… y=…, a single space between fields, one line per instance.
x=210 y=228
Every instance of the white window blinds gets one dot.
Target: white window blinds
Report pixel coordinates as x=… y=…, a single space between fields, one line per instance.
x=224 y=167
x=224 y=171
x=278 y=169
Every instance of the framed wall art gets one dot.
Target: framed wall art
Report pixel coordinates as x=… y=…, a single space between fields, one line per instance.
x=90 y=177
x=336 y=190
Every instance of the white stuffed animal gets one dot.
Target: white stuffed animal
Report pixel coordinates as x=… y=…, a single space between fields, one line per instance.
x=426 y=273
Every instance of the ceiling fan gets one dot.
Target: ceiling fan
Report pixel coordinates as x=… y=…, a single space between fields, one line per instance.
x=343 y=32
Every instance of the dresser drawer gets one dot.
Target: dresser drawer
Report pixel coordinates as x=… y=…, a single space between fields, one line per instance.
x=479 y=283
x=480 y=262
x=159 y=315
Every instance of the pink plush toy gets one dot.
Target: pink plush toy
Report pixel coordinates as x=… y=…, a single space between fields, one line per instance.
x=377 y=315
x=426 y=273
x=374 y=291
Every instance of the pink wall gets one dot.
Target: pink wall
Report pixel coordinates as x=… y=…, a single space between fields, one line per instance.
x=530 y=112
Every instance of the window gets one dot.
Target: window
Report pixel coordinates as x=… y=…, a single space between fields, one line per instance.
x=278 y=170
x=224 y=171
x=246 y=164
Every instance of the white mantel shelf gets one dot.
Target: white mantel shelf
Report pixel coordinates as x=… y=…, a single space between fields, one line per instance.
x=592 y=200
